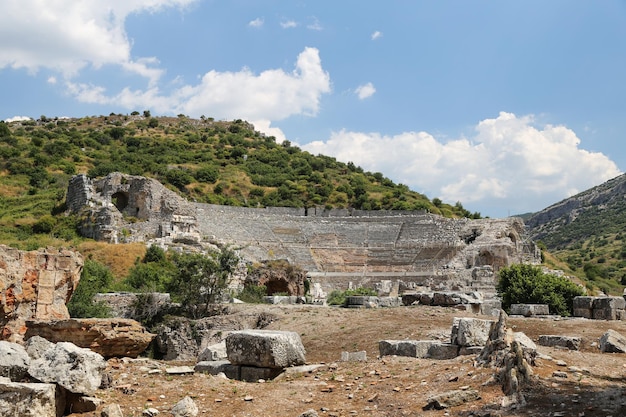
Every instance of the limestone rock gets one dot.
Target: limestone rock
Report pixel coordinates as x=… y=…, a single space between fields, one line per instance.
x=265 y=348
x=36 y=346
x=214 y=352
x=111 y=410
x=528 y=310
x=28 y=400
x=569 y=342
x=108 y=337
x=14 y=361
x=185 y=408
x=76 y=369
x=451 y=399
x=35 y=285
x=215 y=367
x=470 y=331
x=528 y=346
x=432 y=349
x=612 y=342
x=175 y=340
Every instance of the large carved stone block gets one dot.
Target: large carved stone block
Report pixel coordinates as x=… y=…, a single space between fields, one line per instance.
x=28 y=400
x=265 y=348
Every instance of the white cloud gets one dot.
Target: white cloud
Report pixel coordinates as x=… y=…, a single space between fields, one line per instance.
x=315 y=25
x=288 y=24
x=268 y=96
x=377 y=35
x=364 y=91
x=17 y=119
x=509 y=164
x=256 y=23
x=69 y=35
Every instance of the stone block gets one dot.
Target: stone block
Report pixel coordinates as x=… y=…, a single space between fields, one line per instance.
x=470 y=331
x=265 y=348
x=445 y=299
x=569 y=342
x=451 y=399
x=605 y=308
x=491 y=307
x=526 y=342
x=586 y=313
x=398 y=348
x=215 y=367
x=609 y=302
x=214 y=352
x=360 y=356
x=604 y=314
x=583 y=302
x=359 y=301
x=443 y=351
x=409 y=299
x=28 y=400
x=528 y=310
x=389 y=301
x=14 y=361
x=253 y=374
x=76 y=369
x=612 y=342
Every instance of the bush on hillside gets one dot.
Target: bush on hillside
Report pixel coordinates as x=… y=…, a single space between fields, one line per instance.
x=95 y=278
x=338 y=298
x=528 y=284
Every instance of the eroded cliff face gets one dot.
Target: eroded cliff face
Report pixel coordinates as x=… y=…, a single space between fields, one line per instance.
x=35 y=285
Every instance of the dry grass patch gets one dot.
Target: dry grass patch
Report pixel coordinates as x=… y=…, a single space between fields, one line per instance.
x=118 y=258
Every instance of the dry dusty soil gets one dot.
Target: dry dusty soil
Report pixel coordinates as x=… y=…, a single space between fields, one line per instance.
x=388 y=386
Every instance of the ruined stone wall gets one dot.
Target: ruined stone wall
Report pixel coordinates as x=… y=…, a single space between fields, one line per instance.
x=128 y=208
x=338 y=248
x=418 y=250
x=35 y=285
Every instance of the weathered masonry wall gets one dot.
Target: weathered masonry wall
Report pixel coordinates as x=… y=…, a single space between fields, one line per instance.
x=338 y=248
x=419 y=250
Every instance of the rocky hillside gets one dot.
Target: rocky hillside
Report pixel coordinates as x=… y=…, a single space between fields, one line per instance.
x=586 y=232
x=206 y=161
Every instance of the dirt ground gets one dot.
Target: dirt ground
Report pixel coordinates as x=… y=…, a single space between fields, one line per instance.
x=390 y=386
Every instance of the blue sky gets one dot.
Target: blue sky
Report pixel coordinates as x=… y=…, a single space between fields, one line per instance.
x=507 y=107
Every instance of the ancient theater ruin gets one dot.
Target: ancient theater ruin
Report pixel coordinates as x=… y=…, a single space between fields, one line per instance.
x=394 y=251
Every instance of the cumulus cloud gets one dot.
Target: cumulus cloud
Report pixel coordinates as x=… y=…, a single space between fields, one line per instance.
x=377 y=35
x=18 y=119
x=508 y=164
x=256 y=23
x=288 y=24
x=69 y=35
x=364 y=91
x=271 y=95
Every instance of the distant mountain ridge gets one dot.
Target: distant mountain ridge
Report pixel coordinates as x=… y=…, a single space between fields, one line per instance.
x=599 y=211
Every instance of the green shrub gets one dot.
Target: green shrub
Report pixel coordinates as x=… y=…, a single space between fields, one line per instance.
x=337 y=297
x=95 y=278
x=252 y=294
x=528 y=284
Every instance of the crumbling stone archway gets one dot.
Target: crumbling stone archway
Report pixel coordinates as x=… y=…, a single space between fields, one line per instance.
x=120 y=200
x=485 y=257
x=276 y=286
